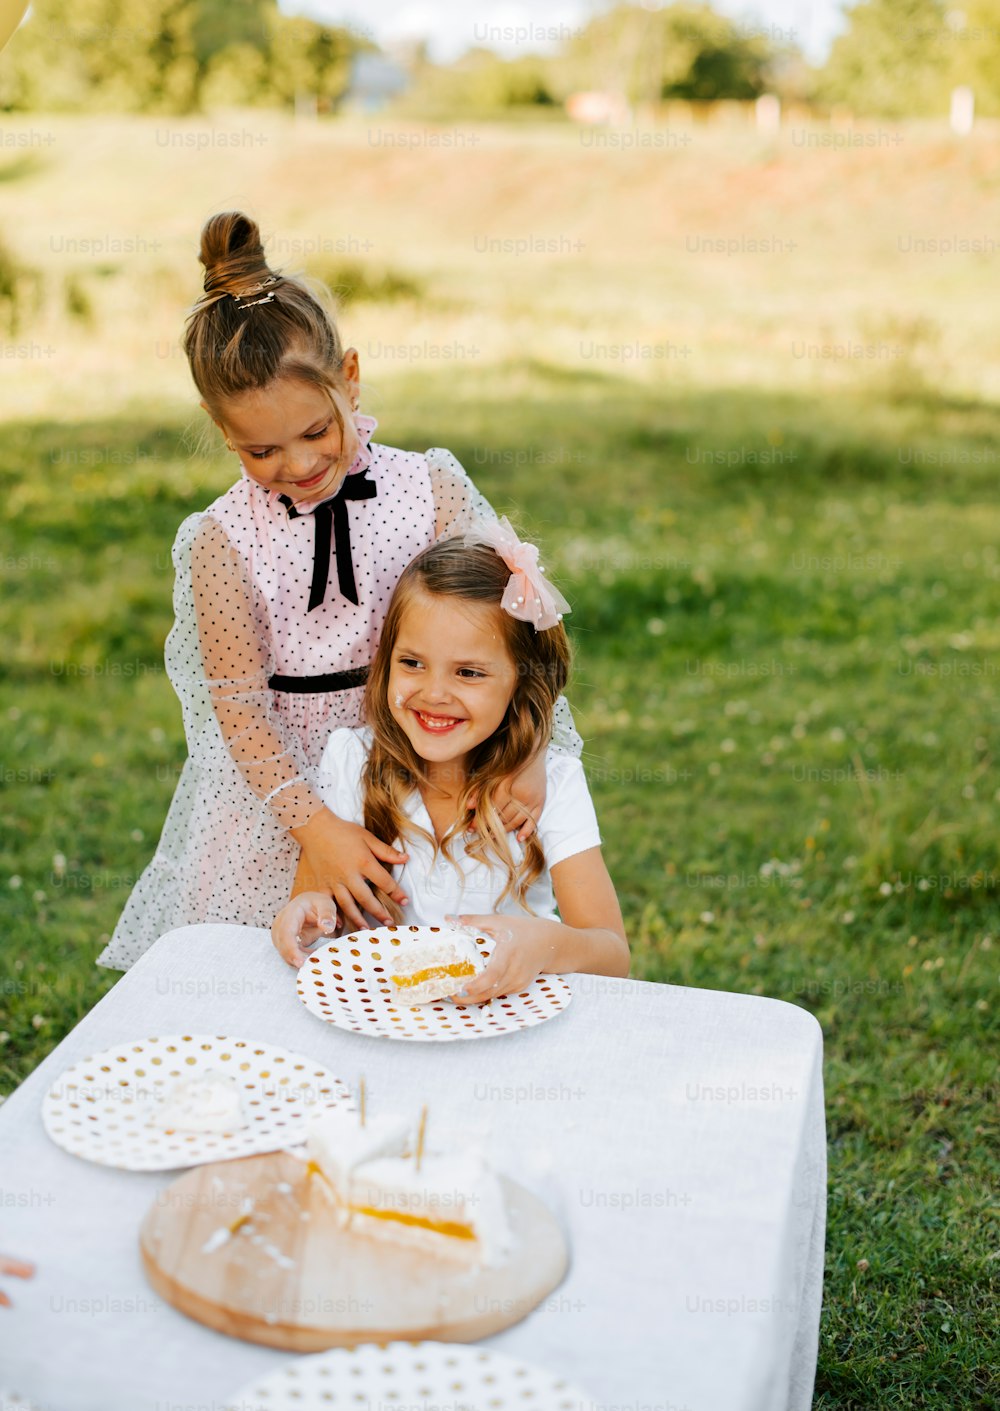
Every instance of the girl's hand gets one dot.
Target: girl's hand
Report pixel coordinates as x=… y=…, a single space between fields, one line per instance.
x=297 y=926
x=344 y=859
x=520 y=812
x=524 y=947
x=18 y=1268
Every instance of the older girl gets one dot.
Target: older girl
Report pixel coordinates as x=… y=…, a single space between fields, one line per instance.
x=280 y=594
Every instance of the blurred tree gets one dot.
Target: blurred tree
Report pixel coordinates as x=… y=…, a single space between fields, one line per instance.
x=892 y=60
x=679 y=51
x=307 y=59
x=112 y=55
x=221 y=24
x=480 y=84
x=707 y=57
x=236 y=76
x=972 y=43
x=167 y=55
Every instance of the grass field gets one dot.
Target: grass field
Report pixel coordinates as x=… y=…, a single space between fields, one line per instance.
x=784 y=565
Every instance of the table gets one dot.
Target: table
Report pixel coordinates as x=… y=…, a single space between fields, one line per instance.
x=677 y=1133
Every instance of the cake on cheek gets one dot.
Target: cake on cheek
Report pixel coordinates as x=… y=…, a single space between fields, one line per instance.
x=448 y=1205
x=432 y=964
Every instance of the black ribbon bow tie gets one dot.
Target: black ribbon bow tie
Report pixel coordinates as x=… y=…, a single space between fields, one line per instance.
x=332 y=514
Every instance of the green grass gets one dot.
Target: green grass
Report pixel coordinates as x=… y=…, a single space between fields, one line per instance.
x=785 y=579
x=787 y=811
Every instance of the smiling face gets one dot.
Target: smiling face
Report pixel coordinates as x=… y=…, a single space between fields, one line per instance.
x=288 y=439
x=451 y=679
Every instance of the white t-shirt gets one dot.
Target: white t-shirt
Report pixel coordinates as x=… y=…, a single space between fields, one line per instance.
x=438 y=887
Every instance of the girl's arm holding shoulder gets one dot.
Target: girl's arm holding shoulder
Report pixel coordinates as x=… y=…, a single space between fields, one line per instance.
x=590 y=938
x=345 y=859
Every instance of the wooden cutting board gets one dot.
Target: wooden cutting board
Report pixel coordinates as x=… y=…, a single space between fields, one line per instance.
x=291 y=1278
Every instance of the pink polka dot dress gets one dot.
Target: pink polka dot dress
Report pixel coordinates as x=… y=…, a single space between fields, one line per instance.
x=278 y=611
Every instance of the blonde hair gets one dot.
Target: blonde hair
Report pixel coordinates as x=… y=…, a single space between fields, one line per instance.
x=232 y=350
x=467 y=573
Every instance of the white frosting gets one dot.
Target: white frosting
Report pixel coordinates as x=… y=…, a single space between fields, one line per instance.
x=337 y=1142
x=208 y=1103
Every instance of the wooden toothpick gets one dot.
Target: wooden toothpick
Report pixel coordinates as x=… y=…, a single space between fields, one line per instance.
x=362 y=1101
x=421 y=1132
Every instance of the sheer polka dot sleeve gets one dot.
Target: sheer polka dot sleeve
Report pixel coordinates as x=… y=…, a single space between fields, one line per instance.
x=219 y=666
x=457 y=502
x=564 y=734
x=457 y=505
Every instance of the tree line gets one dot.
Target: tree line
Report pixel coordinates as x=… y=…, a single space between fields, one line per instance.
x=893 y=58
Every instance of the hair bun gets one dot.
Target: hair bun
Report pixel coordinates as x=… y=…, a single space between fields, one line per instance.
x=232 y=253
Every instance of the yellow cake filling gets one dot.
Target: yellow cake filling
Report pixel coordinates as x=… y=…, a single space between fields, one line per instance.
x=439 y=1227
x=452 y=1228
x=460 y=969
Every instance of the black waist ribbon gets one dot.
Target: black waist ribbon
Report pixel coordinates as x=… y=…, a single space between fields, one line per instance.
x=333 y=524
x=314 y=685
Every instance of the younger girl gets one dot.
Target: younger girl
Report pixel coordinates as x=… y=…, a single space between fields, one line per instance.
x=472 y=658
x=280 y=594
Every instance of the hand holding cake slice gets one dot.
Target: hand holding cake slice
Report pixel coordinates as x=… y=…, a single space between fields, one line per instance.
x=432 y=964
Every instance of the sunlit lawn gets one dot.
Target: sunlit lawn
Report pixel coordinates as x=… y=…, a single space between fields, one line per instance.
x=786 y=628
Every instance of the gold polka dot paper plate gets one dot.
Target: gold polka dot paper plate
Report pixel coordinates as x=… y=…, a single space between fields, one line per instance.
x=410 y=1374
x=161 y=1103
x=347 y=982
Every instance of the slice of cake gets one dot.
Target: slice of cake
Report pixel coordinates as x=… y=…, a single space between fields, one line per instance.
x=208 y=1103
x=451 y=1206
x=433 y=964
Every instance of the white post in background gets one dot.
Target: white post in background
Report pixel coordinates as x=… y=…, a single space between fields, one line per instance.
x=963 y=110
x=768 y=113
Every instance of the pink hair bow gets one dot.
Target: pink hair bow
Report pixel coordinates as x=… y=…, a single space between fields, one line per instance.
x=528 y=595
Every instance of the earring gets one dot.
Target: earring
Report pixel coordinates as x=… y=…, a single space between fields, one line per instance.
x=230 y=445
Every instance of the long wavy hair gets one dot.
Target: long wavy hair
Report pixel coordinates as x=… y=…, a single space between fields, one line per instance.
x=471 y=573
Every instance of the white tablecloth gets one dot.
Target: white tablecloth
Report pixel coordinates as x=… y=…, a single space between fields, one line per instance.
x=678 y=1134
